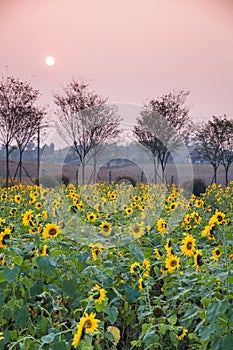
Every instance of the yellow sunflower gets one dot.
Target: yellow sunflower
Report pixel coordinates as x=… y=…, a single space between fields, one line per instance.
x=105 y=228
x=146 y=268
x=128 y=211
x=197 y=259
x=44 y=251
x=172 y=263
x=39 y=205
x=218 y=217
x=182 y=334
x=168 y=246
x=141 y=284
x=17 y=198
x=96 y=251
x=1 y=336
x=78 y=335
x=51 y=231
x=27 y=217
x=98 y=294
x=135 y=267
x=91 y=217
x=188 y=245
x=136 y=229
x=216 y=253
x=158 y=253
x=91 y=323
x=161 y=226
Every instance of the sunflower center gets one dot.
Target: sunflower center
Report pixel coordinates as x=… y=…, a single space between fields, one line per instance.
x=52 y=231
x=173 y=263
x=88 y=324
x=189 y=245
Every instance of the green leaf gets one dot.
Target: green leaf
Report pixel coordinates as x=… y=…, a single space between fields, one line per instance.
x=163 y=328
x=69 y=287
x=151 y=339
x=11 y=274
x=109 y=336
x=59 y=346
x=37 y=288
x=18 y=260
x=46 y=264
x=21 y=316
x=136 y=251
x=205 y=332
x=112 y=312
x=2 y=278
x=146 y=327
x=172 y=319
x=227 y=342
x=131 y=294
x=49 y=338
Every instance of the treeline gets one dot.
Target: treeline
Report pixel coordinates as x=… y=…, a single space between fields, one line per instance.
x=87 y=124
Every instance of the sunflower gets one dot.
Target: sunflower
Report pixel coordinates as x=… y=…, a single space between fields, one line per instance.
x=135 y=267
x=172 y=263
x=199 y=203
x=105 y=228
x=136 y=229
x=188 y=245
x=27 y=217
x=168 y=247
x=197 y=259
x=17 y=198
x=182 y=334
x=218 y=217
x=128 y=211
x=158 y=253
x=91 y=217
x=146 y=268
x=13 y=211
x=50 y=231
x=173 y=206
x=141 y=284
x=44 y=251
x=91 y=323
x=1 y=336
x=98 y=294
x=78 y=335
x=161 y=226
x=216 y=253
x=39 y=205
x=96 y=251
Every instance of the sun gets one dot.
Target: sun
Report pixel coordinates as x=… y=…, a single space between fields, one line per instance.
x=50 y=60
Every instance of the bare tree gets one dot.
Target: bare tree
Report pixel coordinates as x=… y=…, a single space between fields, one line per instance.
x=214 y=143
x=17 y=99
x=85 y=121
x=33 y=123
x=163 y=127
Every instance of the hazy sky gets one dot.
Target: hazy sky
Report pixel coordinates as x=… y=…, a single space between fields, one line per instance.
x=129 y=50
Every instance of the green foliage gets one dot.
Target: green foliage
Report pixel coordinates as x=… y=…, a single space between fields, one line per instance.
x=48 y=285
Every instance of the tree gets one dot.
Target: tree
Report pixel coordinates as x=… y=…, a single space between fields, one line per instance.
x=85 y=121
x=19 y=117
x=227 y=145
x=163 y=127
x=214 y=143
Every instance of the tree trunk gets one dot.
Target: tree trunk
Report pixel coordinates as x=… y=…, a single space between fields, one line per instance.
x=20 y=165
x=226 y=167
x=7 y=165
x=83 y=170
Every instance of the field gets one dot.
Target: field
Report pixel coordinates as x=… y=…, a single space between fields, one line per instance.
x=49 y=170
x=115 y=267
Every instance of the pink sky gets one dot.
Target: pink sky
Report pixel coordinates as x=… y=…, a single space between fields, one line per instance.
x=129 y=50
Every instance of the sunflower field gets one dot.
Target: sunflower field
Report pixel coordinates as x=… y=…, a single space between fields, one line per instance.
x=110 y=266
